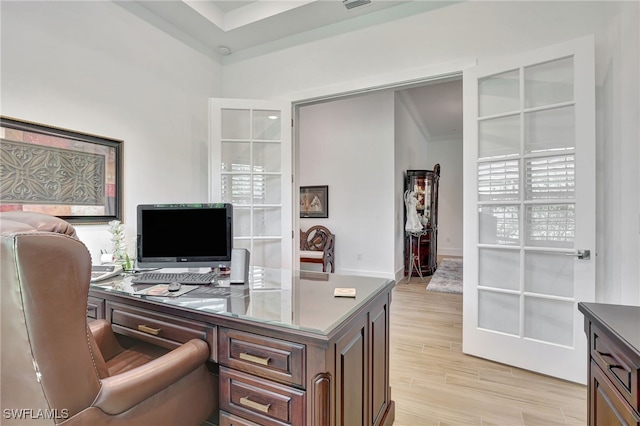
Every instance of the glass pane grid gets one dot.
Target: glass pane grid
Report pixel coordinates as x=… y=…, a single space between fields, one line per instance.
x=500 y=224
x=499 y=180
x=549 y=83
x=550 y=177
x=550 y=225
x=499 y=93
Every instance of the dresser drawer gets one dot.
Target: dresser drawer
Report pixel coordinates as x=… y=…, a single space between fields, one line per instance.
x=619 y=369
x=264 y=356
x=160 y=329
x=259 y=400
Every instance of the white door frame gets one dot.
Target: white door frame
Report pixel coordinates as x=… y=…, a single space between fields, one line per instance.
x=396 y=80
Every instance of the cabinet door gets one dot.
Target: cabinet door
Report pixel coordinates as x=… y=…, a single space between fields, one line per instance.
x=351 y=377
x=379 y=350
x=608 y=407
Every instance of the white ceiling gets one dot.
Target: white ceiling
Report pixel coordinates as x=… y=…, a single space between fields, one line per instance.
x=246 y=27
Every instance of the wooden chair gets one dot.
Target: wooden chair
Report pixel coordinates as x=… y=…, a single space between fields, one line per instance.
x=317 y=246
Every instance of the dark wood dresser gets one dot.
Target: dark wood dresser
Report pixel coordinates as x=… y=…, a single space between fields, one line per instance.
x=613 y=332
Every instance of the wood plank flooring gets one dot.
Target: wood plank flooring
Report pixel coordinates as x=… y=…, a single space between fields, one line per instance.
x=434 y=383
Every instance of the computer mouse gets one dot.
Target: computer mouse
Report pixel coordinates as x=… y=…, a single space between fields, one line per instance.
x=174 y=286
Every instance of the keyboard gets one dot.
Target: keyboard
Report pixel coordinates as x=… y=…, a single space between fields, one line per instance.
x=102 y=272
x=198 y=278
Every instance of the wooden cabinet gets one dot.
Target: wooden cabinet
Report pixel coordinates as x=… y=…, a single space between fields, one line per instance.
x=422 y=245
x=614 y=363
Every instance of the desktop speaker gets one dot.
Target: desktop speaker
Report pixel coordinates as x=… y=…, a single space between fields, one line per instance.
x=239 y=266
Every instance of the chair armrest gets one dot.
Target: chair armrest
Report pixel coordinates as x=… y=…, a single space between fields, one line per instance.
x=121 y=392
x=105 y=338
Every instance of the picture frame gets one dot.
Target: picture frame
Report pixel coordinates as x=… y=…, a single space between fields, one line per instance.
x=314 y=201
x=72 y=175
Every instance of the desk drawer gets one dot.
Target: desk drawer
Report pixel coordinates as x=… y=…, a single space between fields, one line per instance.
x=95 y=308
x=227 y=419
x=160 y=329
x=621 y=371
x=264 y=356
x=260 y=401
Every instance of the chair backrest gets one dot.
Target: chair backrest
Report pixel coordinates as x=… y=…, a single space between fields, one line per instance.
x=47 y=359
x=316 y=238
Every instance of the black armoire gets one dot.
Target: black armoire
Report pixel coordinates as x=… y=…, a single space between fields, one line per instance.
x=423 y=245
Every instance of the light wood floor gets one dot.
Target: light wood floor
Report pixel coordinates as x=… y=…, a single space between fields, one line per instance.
x=434 y=383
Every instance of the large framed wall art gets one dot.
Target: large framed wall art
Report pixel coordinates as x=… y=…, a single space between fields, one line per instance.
x=75 y=176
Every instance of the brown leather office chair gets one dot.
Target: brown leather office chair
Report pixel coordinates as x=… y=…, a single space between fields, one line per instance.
x=55 y=369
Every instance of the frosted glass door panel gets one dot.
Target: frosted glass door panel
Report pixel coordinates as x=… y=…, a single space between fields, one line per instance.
x=236 y=156
x=550 y=225
x=549 y=130
x=266 y=221
x=235 y=124
x=236 y=189
x=499 y=268
x=499 y=225
x=548 y=83
x=499 y=181
x=499 y=93
x=549 y=320
x=549 y=273
x=241 y=222
x=550 y=177
x=499 y=137
x=499 y=312
x=266 y=253
x=266 y=189
x=266 y=125
x=266 y=157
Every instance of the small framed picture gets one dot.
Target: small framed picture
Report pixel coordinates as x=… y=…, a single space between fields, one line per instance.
x=314 y=201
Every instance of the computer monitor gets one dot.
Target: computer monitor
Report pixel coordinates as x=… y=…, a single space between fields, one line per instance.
x=184 y=235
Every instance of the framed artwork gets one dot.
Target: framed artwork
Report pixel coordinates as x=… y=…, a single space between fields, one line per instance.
x=314 y=201
x=72 y=175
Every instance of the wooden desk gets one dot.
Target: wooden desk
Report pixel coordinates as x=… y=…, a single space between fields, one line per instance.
x=287 y=351
x=613 y=332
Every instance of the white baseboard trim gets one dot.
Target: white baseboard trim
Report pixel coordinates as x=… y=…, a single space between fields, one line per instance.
x=450 y=252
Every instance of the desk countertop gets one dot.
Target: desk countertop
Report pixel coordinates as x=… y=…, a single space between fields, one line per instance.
x=621 y=320
x=295 y=299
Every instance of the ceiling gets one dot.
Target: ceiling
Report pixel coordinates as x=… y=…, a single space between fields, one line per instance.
x=232 y=29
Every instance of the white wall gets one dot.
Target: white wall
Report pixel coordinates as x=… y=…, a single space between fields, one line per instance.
x=93 y=67
x=481 y=30
x=448 y=153
x=347 y=144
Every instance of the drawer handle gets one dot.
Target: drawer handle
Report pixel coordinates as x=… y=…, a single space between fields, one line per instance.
x=255 y=405
x=605 y=355
x=252 y=358
x=149 y=330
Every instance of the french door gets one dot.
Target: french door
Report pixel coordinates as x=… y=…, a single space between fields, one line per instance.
x=529 y=191
x=250 y=167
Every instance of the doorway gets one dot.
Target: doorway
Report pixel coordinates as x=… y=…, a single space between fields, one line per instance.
x=423 y=124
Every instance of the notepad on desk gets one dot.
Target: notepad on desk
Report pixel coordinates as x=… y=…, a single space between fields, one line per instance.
x=344 y=292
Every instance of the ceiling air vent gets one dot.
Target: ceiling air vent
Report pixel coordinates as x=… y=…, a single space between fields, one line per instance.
x=350 y=4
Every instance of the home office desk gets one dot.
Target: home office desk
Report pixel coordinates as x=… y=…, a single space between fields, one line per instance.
x=286 y=351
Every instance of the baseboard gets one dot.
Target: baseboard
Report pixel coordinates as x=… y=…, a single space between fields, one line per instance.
x=450 y=252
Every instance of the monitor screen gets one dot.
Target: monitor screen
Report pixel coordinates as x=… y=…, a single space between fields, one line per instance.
x=184 y=235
